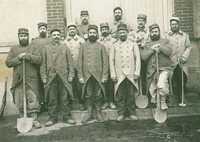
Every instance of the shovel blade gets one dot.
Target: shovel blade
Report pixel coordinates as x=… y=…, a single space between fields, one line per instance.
x=160 y=116
x=24 y=125
x=141 y=101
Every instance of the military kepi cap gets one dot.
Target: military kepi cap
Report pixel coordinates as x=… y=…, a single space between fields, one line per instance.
x=84 y=12
x=42 y=24
x=22 y=31
x=153 y=26
x=175 y=18
x=104 y=25
x=122 y=26
x=72 y=24
x=55 y=29
x=117 y=8
x=93 y=27
x=142 y=16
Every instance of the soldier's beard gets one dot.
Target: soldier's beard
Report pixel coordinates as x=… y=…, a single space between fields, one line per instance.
x=92 y=38
x=84 y=21
x=23 y=42
x=155 y=37
x=43 y=34
x=118 y=17
x=105 y=34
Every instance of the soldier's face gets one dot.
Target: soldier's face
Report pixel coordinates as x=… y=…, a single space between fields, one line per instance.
x=56 y=36
x=92 y=35
x=84 y=19
x=72 y=31
x=123 y=34
x=155 y=34
x=141 y=22
x=118 y=14
x=42 y=31
x=23 y=39
x=105 y=31
x=174 y=26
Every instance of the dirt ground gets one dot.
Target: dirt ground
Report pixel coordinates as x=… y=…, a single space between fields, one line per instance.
x=174 y=130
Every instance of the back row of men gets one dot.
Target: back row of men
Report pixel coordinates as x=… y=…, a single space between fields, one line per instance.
x=91 y=72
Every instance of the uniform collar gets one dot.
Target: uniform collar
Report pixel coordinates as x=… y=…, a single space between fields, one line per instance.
x=69 y=38
x=179 y=32
x=141 y=30
x=108 y=38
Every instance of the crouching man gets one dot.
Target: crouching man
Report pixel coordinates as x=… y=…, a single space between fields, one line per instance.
x=161 y=47
x=125 y=70
x=93 y=72
x=57 y=72
x=32 y=59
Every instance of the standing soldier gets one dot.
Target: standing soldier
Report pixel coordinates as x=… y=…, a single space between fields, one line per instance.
x=93 y=72
x=118 y=18
x=83 y=27
x=157 y=45
x=125 y=70
x=39 y=43
x=181 y=50
x=57 y=72
x=73 y=42
x=107 y=40
x=32 y=59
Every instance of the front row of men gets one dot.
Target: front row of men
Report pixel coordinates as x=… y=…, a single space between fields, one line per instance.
x=94 y=74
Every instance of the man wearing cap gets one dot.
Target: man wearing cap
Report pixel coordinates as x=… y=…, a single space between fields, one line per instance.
x=157 y=84
x=83 y=27
x=125 y=70
x=73 y=42
x=118 y=18
x=181 y=51
x=32 y=58
x=93 y=72
x=39 y=43
x=107 y=40
x=57 y=72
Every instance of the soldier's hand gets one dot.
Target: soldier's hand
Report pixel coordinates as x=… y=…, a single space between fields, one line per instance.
x=27 y=56
x=70 y=79
x=44 y=81
x=21 y=55
x=156 y=47
x=81 y=80
x=181 y=60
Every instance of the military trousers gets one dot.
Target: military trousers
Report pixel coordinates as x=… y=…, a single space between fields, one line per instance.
x=109 y=90
x=125 y=98
x=59 y=99
x=177 y=83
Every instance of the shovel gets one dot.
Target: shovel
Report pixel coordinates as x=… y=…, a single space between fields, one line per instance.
x=141 y=100
x=24 y=124
x=159 y=115
x=182 y=104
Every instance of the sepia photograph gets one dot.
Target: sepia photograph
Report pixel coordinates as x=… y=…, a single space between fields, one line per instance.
x=100 y=71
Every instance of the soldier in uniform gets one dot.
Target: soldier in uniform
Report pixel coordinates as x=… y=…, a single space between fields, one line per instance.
x=118 y=18
x=181 y=49
x=125 y=70
x=83 y=27
x=107 y=40
x=93 y=72
x=57 y=71
x=32 y=59
x=155 y=81
x=73 y=42
x=39 y=43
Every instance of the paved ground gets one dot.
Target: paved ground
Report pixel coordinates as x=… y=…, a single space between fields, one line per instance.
x=175 y=130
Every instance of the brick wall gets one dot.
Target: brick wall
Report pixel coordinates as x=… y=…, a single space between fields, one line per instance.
x=56 y=14
x=184 y=10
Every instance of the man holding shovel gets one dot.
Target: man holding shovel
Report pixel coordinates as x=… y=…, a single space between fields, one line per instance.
x=157 y=82
x=181 y=49
x=23 y=52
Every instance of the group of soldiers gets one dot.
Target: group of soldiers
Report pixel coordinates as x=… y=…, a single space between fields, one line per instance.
x=94 y=71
